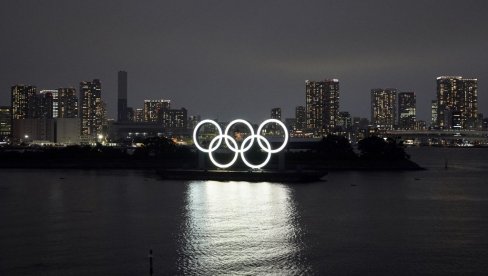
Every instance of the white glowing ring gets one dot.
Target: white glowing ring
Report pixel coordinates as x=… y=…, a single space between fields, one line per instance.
x=267 y=149
x=226 y=132
x=195 y=131
x=245 y=146
x=236 y=153
x=281 y=125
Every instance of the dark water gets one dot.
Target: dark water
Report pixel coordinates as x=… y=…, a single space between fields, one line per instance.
x=79 y=222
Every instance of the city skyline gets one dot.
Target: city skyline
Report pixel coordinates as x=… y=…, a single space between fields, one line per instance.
x=214 y=58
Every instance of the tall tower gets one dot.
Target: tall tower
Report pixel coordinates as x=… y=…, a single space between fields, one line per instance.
x=457 y=100
x=91 y=107
x=153 y=110
x=383 y=108
x=54 y=94
x=406 y=110
x=67 y=103
x=20 y=97
x=300 y=118
x=322 y=105
x=122 y=97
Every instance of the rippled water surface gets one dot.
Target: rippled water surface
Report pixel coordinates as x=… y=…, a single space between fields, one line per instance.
x=79 y=222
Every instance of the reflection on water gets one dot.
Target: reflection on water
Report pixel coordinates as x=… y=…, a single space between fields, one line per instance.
x=240 y=227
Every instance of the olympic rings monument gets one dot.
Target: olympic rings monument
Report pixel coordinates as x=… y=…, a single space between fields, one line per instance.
x=246 y=144
x=255 y=172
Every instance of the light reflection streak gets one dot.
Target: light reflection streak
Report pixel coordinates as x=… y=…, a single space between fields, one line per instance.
x=240 y=227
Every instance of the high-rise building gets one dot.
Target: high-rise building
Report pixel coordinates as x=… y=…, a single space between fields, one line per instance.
x=91 y=113
x=276 y=113
x=20 y=97
x=5 y=122
x=122 y=115
x=130 y=114
x=153 y=110
x=457 y=102
x=54 y=94
x=174 y=119
x=139 y=115
x=193 y=121
x=406 y=110
x=433 y=120
x=41 y=106
x=344 y=120
x=383 y=108
x=301 y=118
x=67 y=103
x=322 y=105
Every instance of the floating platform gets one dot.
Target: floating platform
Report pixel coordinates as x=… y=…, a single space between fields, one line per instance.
x=249 y=176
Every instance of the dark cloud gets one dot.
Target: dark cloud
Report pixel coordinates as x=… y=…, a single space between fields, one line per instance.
x=241 y=58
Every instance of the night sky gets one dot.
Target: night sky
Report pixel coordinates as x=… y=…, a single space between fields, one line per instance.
x=229 y=59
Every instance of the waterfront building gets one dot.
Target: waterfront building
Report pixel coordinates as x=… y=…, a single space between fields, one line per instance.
x=322 y=105
x=41 y=106
x=174 y=119
x=457 y=102
x=122 y=114
x=433 y=120
x=301 y=118
x=383 y=108
x=276 y=113
x=20 y=96
x=406 y=110
x=154 y=108
x=54 y=94
x=139 y=115
x=67 y=103
x=5 y=122
x=92 y=111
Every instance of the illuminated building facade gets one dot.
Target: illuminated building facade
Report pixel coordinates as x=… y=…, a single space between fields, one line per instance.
x=457 y=102
x=92 y=111
x=322 y=105
x=383 y=108
x=139 y=115
x=154 y=108
x=433 y=119
x=20 y=97
x=54 y=94
x=67 y=103
x=276 y=113
x=301 y=118
x=406 y=110
x=5 y=122
x=175 y=119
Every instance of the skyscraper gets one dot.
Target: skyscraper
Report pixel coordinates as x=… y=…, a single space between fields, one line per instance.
x=20 y=97
x=122 y=97
x=322 y=105
x=153 y=109
x=301 y=118
x=383 y=108
x=433 y=120
x=54 y=94
x=91 y=114
x=406 y=110
x=276 y=113
x=5 y=122
x=174 y=119
x=67 y=103
x=457 y=100
x=41 y=106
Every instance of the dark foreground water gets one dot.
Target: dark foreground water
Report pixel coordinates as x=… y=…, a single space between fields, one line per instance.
x=77 y=222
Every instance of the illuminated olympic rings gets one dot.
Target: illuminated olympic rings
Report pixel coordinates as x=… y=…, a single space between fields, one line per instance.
x=232 y=145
